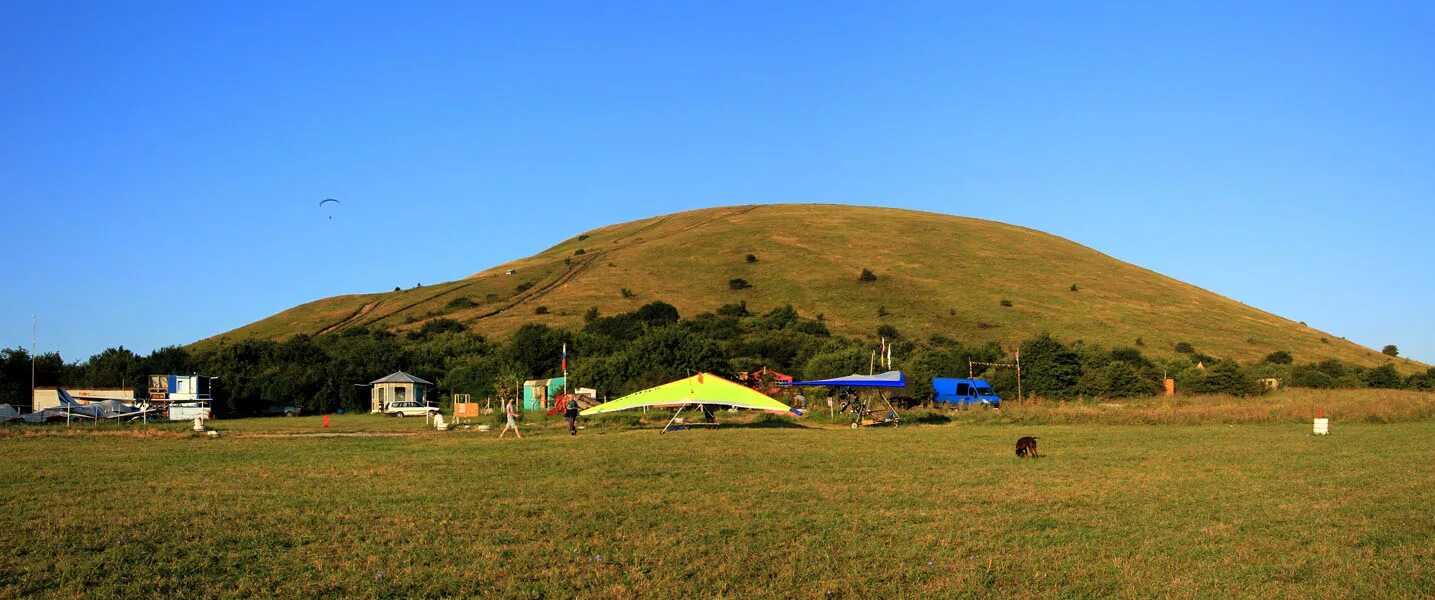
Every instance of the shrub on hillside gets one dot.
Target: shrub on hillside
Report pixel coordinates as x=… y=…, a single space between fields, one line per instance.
x=1307 y=376
x=734 y=310
x=1422 y=381
x=1383 y=376
x=623 y=327
x=1332 y=367
x=1119 y=379
x=441 y=325
x=1279 y=357
x=1227 y=377
x=835 y=363
x=1049 y=368
x=657 y=314
x=781 y=317
x=812 y=328
x=460 y=302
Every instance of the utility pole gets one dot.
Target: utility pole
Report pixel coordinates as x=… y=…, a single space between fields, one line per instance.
x=34 y=329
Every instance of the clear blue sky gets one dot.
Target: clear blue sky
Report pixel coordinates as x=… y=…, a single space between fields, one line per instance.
x=161 y=163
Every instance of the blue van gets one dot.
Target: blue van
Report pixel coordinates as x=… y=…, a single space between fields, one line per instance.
x=961 y=391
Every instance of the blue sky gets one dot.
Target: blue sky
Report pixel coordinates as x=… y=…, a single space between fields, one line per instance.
x=161 y=163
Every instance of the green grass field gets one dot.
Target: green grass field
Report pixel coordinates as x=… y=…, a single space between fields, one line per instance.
x=763 y=509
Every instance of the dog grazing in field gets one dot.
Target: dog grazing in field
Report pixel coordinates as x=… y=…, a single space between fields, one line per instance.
x=1026 y=446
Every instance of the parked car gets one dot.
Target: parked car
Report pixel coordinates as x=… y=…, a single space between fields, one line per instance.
x=288 y=410
x=410 y=408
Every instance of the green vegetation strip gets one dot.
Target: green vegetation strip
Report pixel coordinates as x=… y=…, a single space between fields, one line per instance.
x=762 y=510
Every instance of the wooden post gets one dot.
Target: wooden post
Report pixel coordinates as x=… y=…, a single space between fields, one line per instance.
x=1018 y=376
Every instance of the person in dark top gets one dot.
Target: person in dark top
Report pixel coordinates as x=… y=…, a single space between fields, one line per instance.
x=571 y=415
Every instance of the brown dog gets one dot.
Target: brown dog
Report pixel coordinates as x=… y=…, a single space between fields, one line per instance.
x=1027 y=447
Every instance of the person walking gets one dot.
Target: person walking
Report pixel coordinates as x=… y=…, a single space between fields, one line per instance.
x=571 y=415
x=512 y=413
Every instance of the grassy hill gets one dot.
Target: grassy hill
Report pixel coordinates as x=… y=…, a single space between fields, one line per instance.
x=936 y=274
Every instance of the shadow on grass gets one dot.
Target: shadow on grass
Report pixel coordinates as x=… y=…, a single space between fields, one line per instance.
x=928 y=418
x=761 y=422
x=769 y=422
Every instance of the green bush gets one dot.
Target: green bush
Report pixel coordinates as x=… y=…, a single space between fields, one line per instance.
x=1227 y=377
x=1307 y=376
x=1279 y=357
x=460 y=303
x=657 y=314
x=1049 y=368
x=1119 y=379
x=1383 y=376
x=441 y=325
x=734 y=310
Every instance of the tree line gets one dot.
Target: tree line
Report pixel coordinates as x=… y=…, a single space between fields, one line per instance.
x=626 y=352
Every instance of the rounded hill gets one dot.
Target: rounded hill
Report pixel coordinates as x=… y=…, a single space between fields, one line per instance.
x=859 y=268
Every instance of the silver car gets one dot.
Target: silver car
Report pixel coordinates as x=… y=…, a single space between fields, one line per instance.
x=410 y=408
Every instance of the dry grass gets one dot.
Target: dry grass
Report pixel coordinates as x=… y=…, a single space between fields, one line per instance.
x=1287 y=406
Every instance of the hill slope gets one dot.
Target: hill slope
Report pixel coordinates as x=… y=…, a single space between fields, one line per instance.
x=936 y=274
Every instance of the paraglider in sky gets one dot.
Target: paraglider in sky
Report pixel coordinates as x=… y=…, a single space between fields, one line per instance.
x=331 y=204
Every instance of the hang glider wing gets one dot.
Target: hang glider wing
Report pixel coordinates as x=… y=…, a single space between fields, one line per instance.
x=703 y=388
x=890 y=379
